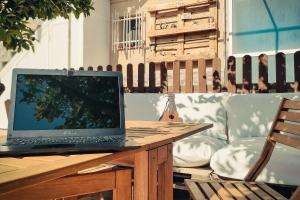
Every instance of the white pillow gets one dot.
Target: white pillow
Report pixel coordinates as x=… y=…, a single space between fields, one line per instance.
x=209 y=108
x=236 y=159
x=195 y=150
x=252 y=115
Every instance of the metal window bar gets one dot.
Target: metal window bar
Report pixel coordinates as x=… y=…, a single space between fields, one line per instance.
x=131 y=35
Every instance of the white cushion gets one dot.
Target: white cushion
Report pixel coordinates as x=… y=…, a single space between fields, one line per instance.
x=195 y=150
x=236 y=159
x=209 y=108
x=252 y=115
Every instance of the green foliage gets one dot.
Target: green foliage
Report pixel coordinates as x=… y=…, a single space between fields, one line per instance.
x=14 y=16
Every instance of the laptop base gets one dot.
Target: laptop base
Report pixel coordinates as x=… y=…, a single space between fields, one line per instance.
x=64 y=149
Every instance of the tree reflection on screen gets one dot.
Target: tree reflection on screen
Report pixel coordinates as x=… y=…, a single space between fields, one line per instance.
x=77 y=102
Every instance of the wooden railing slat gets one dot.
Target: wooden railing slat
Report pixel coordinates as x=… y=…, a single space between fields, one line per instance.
x=201 y=76
x=189 y=76
x=151 y=77
x=130 y=77
x=216 y=64
x=176 y=77
x=141 y=77
x=247 y=75
x=280 y=72
x=163 y=77
x=231 y=75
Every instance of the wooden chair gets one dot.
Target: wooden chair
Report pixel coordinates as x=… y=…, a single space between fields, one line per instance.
x=285 y=130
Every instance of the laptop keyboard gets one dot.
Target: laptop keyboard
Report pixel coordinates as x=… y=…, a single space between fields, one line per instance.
x=67 y=140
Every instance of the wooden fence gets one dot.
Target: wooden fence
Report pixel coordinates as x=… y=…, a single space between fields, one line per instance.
x=204 y=76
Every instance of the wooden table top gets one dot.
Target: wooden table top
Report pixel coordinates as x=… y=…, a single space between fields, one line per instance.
x=19 y=172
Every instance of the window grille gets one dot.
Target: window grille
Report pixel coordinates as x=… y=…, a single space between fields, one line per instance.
x=127 y=31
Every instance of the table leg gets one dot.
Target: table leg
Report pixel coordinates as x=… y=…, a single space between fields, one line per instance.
x=153 y=174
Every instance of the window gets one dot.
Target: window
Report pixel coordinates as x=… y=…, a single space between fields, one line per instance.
x=127 y=32
x=264 y=26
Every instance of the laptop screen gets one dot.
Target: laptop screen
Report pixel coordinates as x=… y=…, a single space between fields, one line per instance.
x=45 y=102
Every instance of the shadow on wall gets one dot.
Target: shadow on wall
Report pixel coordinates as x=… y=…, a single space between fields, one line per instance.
x=147 y=106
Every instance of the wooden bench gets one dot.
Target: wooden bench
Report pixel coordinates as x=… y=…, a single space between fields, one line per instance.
x=285 y=130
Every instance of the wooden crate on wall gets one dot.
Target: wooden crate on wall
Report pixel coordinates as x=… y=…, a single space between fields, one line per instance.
x=183 y=30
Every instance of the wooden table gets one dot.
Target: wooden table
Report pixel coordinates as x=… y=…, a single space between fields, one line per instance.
x=152 y=162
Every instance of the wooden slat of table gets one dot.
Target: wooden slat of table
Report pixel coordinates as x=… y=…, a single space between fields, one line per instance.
x=168 y=132
x=46 y=168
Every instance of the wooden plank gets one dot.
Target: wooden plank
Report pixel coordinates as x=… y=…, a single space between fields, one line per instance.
x=119 y=68
x=233 y=191
x=123 y=188
x=289 y=128
x=163 y=78
x=66 y=186
x=231 y=75
x=290 y=116
x=221 y=191
x=271 y=192
x=285 y=139
x=99 y=68
x=141 y=176
x=49 y=171
x=153 y=168
x=247 y=75
x=208 y=191
x=5 y=168
x=194 y=190
x=194 y=56
x=141 y=77
x=176 y=31
x=262 y=194
x=216 y=64
x=201 y=76
x=20 y=163
x=169 y=173
x=152 y=77
x=130 y=77
x=175 y=5
x=162 y=155
x=280 y=72
x=165 y=172
x=109 y=68
x=246 y=191
x=263 y=74
x=290 y=104
x=296 y=194
x=189 y=76
x=176 y=77
x=297 y=70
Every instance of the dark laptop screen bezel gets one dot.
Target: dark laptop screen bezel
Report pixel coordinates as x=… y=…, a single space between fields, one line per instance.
x=65 y=132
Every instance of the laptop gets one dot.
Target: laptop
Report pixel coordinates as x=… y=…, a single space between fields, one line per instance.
x=65 y=112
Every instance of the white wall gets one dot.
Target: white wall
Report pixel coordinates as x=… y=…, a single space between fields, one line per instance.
x=97 y=35
x=51 y=52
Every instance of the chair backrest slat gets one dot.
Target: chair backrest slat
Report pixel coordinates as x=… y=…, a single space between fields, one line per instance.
x=285 y=130
x=290 y=104
x=285 y=139
x=290 y=116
